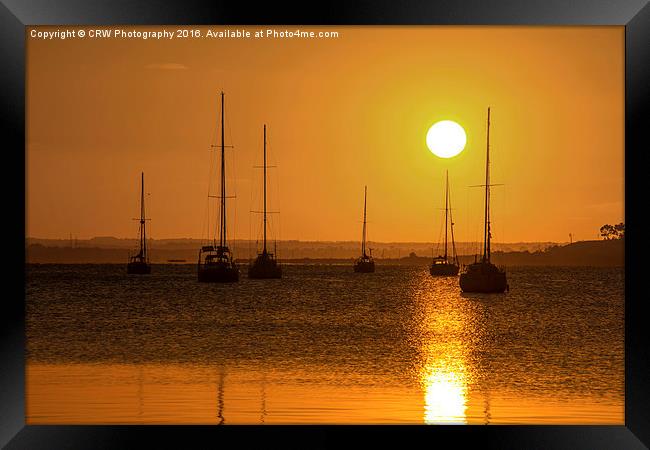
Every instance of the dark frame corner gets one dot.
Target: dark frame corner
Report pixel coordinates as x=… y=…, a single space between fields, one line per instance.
x=15 y=15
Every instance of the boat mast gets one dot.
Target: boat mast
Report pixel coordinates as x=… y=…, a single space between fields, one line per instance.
x=486 y=245
x=143 y=232
x=446 y=208
x=363 y=239
x=222 y=218
x=264 y=252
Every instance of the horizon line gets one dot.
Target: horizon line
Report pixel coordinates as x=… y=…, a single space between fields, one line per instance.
x=299 y=240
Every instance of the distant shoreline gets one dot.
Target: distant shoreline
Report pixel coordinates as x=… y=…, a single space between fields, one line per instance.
x=584 y=253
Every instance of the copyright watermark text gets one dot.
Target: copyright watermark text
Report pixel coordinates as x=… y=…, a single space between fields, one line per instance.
x=181 y=33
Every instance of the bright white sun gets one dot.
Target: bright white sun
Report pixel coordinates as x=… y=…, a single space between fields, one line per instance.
x=446 y=139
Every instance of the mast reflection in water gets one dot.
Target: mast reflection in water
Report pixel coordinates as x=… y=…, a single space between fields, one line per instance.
x=323 y=347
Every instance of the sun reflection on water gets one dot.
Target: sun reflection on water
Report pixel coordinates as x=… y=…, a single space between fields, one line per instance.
x=445 y=398
x=445 y=343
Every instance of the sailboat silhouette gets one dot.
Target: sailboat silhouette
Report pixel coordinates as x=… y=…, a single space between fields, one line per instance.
x=266 y=264
x=216 y=262
x=441 y=265
x=483 y=276
x=139 y=263
x=365 y=263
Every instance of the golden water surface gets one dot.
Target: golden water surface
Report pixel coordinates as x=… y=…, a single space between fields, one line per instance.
x=398 y=347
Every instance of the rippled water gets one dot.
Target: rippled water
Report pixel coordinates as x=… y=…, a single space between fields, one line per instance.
x=323 y=345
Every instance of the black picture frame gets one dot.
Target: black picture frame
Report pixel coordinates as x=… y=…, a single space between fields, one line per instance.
x=15 y=15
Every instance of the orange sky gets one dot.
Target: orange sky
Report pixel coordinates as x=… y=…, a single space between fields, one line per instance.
x=341 y=113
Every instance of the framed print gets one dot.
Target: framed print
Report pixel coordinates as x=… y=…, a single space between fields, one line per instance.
x=306 y=226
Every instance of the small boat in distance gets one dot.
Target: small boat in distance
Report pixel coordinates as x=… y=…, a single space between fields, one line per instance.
x=442 y=265
x=266 y=264
x=139 y=263
x=216 y=264
x=483 y=276
x=365 y=263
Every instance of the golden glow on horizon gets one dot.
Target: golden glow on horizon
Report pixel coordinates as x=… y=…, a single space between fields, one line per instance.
x=446 y=139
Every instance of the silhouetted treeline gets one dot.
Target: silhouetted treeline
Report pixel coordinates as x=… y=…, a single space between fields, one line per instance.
x=584 y=253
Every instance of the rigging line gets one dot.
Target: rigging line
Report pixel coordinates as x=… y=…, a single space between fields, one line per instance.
x=147 y=245
x=205 y=230
x=278 y=238
x=440 y=232
x=250 y=220
x=254 y=186
x=148 y=252
x=480 y=224
x=436 y=245
x=211 y=228
x=205 y=223
x=471 y=226
x=276 y=198
x=213 y=158
x=467 y=226
x=257 y=189
x=250 y=236
x=234 y=184
x=505 y=202
x=480 y=234
x=442 y=227
x=453 y=241
x=260 y=234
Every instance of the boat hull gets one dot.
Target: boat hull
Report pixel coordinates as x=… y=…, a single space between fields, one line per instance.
x=484 y=278
x=138 y=268
x=364 y=267
x=443 y=270
x=264 y=268
x=218 y=273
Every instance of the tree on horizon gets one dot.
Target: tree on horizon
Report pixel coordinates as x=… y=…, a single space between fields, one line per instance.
x=610 y=232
